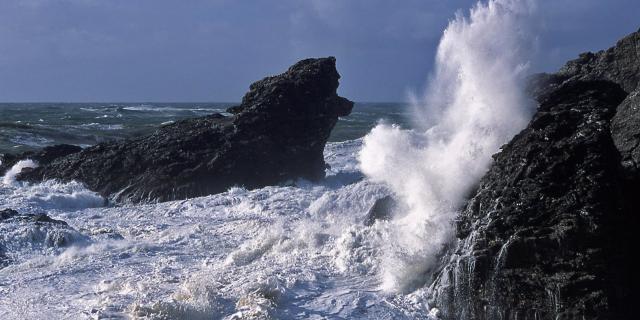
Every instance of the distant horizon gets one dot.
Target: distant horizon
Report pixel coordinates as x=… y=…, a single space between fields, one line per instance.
x=159 y=102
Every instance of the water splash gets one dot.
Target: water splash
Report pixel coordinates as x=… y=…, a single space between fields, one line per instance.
x=9 y=177
x=473 y=104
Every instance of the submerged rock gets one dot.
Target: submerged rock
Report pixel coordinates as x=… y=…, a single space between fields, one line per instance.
x=25 y=232
x=7 y=215
x=547 y=234
x=382 y=209
x=275 y=135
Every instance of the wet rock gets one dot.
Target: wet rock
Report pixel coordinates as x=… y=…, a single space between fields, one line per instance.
x=547 y=234
x=7 y=214
x=24 y=233
x=618 y=64
x=382 y=209
x=625 y=130
x=277 y=134
x=543 y=219
x=42 y=157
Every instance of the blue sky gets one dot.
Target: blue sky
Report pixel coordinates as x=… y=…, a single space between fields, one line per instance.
x=211 y=50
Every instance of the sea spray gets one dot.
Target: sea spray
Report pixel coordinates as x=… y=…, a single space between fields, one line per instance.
x=473 y=104
x=9 y=177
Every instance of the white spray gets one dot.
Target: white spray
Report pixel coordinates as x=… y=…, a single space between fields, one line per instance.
x=10 y=176
x=473 y=104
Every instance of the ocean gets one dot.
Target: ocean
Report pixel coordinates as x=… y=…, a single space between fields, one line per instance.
x=300 y=251
x=282 y=252
x=30 y=126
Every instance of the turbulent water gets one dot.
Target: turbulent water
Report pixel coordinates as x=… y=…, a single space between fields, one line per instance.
x=299 y=251
x=30 y=126
x=282 y=252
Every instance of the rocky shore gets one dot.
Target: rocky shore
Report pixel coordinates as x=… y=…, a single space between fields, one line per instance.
x=276 y=135
x=548 y=232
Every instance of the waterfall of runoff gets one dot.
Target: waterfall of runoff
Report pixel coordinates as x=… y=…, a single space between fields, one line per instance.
x=473 y=104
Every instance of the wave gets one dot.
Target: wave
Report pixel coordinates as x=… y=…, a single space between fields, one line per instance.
x=473 y=105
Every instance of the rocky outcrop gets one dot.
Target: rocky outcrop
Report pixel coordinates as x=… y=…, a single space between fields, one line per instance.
x=276 y=134
x=625 y=130
x=43 y=157
x=42 y=231
x=382 y=209
x=547 y=234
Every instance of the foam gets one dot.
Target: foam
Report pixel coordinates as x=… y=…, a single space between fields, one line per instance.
x=473 y=104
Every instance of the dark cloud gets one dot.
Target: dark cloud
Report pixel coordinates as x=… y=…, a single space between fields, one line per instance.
x=210 y=50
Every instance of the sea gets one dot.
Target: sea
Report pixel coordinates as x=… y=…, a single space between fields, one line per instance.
x=279 y=252
x=296 y=251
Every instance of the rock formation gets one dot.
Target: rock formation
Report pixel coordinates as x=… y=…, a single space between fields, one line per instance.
x=548 y=232
x=44 y=231
x=276 y=134
x=43 y=157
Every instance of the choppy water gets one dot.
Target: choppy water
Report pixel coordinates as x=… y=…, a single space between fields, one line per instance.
x=29 y=126
x=280 y=252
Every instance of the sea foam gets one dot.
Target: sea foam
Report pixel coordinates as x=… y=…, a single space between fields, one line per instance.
x=473 y=104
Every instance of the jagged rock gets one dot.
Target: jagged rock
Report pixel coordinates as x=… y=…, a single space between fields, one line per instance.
x=42 y=231
x=276 y=134
x=547 y=234
x=625 y=130
x=618 y=64
x=43 y=157
x=10 y=214
x=382 y=209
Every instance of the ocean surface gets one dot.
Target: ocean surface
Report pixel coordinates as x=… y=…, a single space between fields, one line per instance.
x=301 y=251
x=278 y=252
x=30 y=126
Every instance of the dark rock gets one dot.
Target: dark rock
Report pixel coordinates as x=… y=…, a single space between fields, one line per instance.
x=275 y=135
x=625 y=130
x=42 y=157
x=44 y=233
x=7 y=214
x=10 y=214
x=543 y=219
x=618 y=64
x=548 y=233
x=382 y=209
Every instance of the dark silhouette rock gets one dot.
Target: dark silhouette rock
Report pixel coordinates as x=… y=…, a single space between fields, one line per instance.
x=275 y=135
x=547 y=234
x=382 y=209
x=618 y=64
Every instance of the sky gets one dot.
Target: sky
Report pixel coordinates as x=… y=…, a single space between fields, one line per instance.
x=212 y=50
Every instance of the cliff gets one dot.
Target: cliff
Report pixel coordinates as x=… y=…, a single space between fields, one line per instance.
x=548 y=232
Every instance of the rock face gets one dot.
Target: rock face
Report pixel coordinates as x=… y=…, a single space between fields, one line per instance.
x=276 y=134
x=548 y=233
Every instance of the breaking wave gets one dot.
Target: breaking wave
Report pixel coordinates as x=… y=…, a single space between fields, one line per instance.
x=474 y=103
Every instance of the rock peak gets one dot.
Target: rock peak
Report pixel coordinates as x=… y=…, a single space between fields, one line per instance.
x=277 y=134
